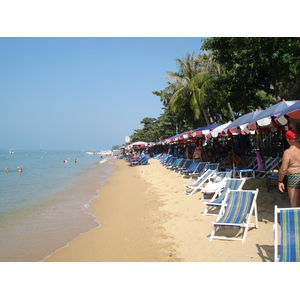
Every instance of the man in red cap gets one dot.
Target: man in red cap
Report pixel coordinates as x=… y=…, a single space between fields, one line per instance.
x=291 y=167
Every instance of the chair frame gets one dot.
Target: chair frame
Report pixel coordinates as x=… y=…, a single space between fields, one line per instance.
x=197 y=185
x=213 y=201
x=191 y=168
x=245 y=224
x=212 y=187
x=199 y=170
x=277 y=257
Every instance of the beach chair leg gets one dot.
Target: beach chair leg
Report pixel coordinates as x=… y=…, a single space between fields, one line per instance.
x=245 y=233
x=212 y=234
x=193 y=191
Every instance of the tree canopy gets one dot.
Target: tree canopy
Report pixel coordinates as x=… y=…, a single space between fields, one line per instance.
x=246 y=72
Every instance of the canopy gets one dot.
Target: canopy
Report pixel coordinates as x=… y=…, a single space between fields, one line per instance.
x=204 y=130
x=191 y=134
x=265 y=117
x=242 y=122
x=175 y=138
x=293 y=111
x=138 y=144
x=218 y=131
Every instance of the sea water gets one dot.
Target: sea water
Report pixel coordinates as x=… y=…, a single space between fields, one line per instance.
x=48 y=204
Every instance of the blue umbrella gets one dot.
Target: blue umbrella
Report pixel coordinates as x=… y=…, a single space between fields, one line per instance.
x=292 y=111
x=242 y=121
x=199 y=131
x=264 y=119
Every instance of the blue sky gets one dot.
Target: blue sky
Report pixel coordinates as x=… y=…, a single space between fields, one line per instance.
x=82 y=93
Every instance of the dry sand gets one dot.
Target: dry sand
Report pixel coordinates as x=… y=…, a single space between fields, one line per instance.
x=146 y=217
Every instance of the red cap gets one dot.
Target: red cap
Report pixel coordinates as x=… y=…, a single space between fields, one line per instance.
x=291 y=134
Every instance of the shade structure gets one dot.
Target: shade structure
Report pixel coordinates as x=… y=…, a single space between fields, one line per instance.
x=191 y=135
x=265 y=117
x=204 y=130
x=218 y=131
x=293 y=111
x=138 y=144
x=176 y=138
x=241 y=122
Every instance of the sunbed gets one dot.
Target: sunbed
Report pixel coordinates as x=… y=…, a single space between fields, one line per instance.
x=236 y=212
x=289 y=220
x=199 y=183
x=219 y=196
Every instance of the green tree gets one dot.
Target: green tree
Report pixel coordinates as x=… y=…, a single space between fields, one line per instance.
x=149 y=132
x=179 y=92
x=168 y=124
x=192 y=92
x=270 y=64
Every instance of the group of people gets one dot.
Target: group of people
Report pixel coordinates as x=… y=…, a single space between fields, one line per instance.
x=20 y=169
x=290 y=166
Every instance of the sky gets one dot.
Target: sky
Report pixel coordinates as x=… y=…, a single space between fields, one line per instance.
x=80 y=74
x=82 y=93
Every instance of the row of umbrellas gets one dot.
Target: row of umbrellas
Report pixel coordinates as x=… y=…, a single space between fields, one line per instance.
x=272 y=118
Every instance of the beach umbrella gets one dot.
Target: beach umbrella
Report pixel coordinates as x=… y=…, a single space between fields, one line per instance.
x=241 y=123
x=265 y=117
x=293 y=111
x=137 y=144
x=218 y=131
x=204 y=130
x=265 y=120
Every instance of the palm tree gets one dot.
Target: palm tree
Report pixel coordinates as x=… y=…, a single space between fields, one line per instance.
x=188 y=87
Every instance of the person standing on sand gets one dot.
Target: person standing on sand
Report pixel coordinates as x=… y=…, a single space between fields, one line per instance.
x=291 y=167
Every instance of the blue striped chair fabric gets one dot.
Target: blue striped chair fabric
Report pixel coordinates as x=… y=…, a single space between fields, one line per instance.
x=236 y=212
x=175 y=163
x=201 y=167
x=192 y=188
x=290 y=235
x=238 y=204
x=231 y=184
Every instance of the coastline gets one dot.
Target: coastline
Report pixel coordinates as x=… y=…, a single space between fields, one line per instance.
x=125 y=233
x=146 y=217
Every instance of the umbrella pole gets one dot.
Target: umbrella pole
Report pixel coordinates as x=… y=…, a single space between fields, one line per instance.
x=263 y=158
x=232 y=154
x=218 y=144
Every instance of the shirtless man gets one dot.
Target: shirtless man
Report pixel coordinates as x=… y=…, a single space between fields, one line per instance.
x=291 y=167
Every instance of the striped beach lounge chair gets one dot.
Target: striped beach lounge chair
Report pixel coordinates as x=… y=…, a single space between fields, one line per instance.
x=216 y=182
x=186 y=164
x=201 y=167
x=199 y=183
x=175 y=164
x=289 y=219
x=190 y=169
x=219 y=196
x=235 y=214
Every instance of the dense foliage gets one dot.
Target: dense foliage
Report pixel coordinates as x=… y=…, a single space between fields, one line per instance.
x=242 y=73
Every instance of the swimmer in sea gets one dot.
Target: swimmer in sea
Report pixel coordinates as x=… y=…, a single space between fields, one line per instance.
x=20 y=169
x=6 y=170
x=291 y=167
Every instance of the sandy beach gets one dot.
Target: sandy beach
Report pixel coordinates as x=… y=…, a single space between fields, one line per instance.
x=146 y=217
